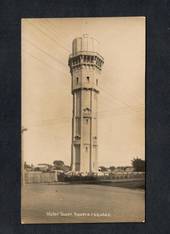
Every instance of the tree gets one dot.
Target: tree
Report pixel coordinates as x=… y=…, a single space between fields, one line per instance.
x=112 y=168
x=26 y=166
x=66 y=168
x=36 y=169
x=59 y=165
x=138 y=164
x=102 y=168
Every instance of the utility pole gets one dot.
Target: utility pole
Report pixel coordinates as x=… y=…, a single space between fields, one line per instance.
x=22 y=156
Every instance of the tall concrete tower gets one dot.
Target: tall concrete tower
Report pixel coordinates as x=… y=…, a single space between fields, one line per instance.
x=85 y=66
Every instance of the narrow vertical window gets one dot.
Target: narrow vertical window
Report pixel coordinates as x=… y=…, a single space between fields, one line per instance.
x=77 y=80
x=86 y=148
x=88 y=78
x=96 y=82
x=86 y=121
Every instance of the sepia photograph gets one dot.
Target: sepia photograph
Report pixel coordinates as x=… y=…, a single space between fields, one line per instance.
x=83 y=120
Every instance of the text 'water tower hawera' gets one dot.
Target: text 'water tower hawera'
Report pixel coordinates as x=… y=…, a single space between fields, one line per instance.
x=85 y=66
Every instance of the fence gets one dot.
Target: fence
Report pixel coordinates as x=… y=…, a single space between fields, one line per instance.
x=40 y=177
x=50 y=177
x=125 y=175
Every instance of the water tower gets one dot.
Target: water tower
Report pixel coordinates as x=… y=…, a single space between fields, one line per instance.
x=85 y=66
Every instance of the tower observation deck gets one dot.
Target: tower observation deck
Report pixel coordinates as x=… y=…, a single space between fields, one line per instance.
x=85 y=67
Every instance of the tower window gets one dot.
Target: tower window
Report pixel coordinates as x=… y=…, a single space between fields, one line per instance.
x=86 y=148
x=86 y=121
x=96 y=82
x=88 y=78
x=77 y=79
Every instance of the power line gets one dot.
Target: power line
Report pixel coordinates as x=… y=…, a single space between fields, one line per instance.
x=106 y=98
x=127 y=93
x=66 y=73
x=117 y=100
x=51 y=38
x=67 y=119
x=114 y=98
x=45 y=52
x=42 y=61
x=52 y=23
x=54 y=31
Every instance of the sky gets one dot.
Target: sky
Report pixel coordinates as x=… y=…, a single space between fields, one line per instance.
x=46 y=88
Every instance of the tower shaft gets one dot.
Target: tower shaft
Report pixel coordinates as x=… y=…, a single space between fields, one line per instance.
x=85 y=68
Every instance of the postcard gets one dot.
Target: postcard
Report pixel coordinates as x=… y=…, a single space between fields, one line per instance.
x=83 y=120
